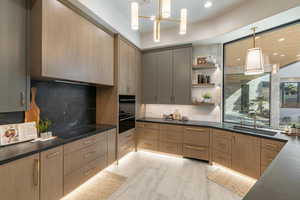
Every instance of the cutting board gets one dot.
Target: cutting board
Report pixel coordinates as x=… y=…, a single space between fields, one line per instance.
x=33 y=114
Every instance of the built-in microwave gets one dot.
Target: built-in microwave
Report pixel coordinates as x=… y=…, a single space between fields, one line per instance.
x=126 y=113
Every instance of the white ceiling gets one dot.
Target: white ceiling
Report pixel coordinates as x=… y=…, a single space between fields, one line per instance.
x=196 y=10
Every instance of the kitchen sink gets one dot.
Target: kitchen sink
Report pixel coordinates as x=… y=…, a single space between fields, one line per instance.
x=256 y=130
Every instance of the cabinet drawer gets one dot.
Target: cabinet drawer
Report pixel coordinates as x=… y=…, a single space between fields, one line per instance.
x=76 y=178
x=169 y=147
x=79 y=158
x=272 y=144
x=199 y=152
x=127 y=137
x=221 y=143
x=148 y=134
x=221 y=158
x=196 y=136
x=148 y=144
x=171 y=133
x=80 y=144
x=151 y=125
x=267 y=156
x=139 y=124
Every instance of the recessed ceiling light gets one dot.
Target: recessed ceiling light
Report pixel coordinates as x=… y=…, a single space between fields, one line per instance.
x=281 y=39
x=282 y=55
x=152 y=18
x=208 y=4
x=238 y=59
x=275 y=54
x=298 y=55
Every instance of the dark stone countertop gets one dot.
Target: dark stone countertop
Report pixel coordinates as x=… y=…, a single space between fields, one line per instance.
x=281 y=180
x=21 y=150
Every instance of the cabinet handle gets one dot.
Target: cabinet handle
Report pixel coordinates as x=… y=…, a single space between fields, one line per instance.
x=88 y=154
x=22 y=98
x=195 y=129
x=271 y=145
x=36 y=172
x=88 y=142
x=52 y=155
x=89 y=171
x=195 y=148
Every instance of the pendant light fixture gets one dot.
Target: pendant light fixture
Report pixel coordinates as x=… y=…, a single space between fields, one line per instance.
x=254 y=59
x=163 y=14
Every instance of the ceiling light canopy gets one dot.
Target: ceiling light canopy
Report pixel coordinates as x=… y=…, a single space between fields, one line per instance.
x=134 y=15
x=208 y=4
x=254 y=59
x=166 y=8
x=163 y=14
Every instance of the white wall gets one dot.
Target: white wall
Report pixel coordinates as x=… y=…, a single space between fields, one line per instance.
x=107 y=13
x=248 y=13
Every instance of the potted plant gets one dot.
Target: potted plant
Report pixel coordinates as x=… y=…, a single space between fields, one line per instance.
x=44 y=127
x=294 y=129
x=207 y=98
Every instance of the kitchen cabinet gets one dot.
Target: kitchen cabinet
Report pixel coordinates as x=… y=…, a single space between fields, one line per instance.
x=111 y=147
x=182 y=76
x=126 y=142
x=164 y=77
x=196 y=142
x=83 y=159
x=66 y=46
x=269 y=151
x=128 y=65
x=147 y=136
x=51 y=174
x=149 y=78
x=20 y=179
x=246 y=155
x=171 y=139
x=221 y=147
x=167 y=76
x=14 y=77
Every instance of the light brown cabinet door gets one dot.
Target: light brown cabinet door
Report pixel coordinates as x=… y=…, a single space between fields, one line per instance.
x=111 y=146
x=128 y=64
x=52 y=174
x=66 y=46
x=20 y=179
x=123 y=67
x=246 y=155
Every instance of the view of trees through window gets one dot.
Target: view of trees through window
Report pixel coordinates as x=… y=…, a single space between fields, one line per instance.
x=273 y=97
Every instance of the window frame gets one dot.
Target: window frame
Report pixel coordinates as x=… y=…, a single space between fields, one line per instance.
x=223 y=64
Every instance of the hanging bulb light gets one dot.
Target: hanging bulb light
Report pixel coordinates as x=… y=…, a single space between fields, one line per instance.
x=166 y=8
x=134 y=15
x=183 y=21
x=254 y=59
x=156 y=31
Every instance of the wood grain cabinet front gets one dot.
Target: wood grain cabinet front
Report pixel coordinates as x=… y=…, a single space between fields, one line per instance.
x=66 y=46
x=20 y=179
x=51 y=174
x=126 y=143
x=83 y=159
x=269 y=151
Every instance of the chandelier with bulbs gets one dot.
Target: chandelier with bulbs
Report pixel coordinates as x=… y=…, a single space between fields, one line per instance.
x=163 y=14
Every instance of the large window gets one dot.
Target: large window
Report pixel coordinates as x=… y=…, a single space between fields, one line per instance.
x=290 y=95
x=273 y=97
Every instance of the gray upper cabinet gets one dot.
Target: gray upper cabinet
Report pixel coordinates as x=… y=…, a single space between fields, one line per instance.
x=14 y=79
x=150 y=78
x=182 y=76
x=164 y=77
x=167 y=76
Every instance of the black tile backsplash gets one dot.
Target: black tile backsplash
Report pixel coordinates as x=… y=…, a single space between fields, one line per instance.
x=67 y=105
